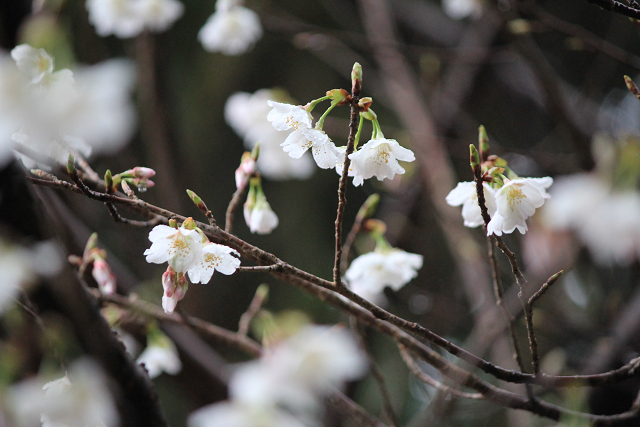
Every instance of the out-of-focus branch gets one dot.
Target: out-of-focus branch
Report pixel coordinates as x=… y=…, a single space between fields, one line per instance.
x=617 y=7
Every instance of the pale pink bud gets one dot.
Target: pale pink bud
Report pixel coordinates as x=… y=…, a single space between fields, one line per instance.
x=169 y=282
x=142 y=172
x=105 y=279
x=183 y=286
x=245 y=170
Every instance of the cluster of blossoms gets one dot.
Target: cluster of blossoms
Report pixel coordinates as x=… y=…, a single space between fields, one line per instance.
x=80 y=398
x=51 y=111
x=232 y=29
x=189 y=253
x=602 y=207
x=286 y=385
x=247 y=114
x=370 y=273
x=509 y=201
x=378 y=157
x=128 y=18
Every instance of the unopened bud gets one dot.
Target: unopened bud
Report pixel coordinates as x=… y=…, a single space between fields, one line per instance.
x=339 y=96
x=369 y=207
x=483 y=142
x=375 y=226
x=142 y=172
x=194 y=198
x=474 y=158
x=173 y=223
x=91 y=243
x=103 y=276
x=555 y=277
x=189 y=224
x=71 y=165
x=246 y=169
x=356 y=78
x=632 y=86
x=108 y=181
x=169 y=282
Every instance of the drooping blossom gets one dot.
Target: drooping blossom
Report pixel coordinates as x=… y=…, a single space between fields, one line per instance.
x=286 y=116
x=460 y=9
x=103 y=276
x=379 y=157
x=80 y=399
x=370 y=273
x=258 y=215
x=247 y=114
x=179 y=247
x=323 y=149
x=246 y=169
x=214 y=257
x=516 y=201
x=161 y=355
x=231 y=30
x=465 y=194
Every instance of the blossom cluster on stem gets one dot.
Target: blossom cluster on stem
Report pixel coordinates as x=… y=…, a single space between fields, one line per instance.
x=129 y=18
x=189 y=253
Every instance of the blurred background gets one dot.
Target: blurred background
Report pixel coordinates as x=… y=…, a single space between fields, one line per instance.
x=546 y=80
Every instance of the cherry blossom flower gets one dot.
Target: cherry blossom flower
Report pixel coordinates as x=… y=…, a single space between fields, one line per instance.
x=117 y=17
x=179 y=247
x=214 y=257
x=352 y=172
x=258 y=215
x=103 y=276
x=460 y=9
x=323 y=149
x=465 y=194
x=160 y=356
x=231 y=30
x=370 y=273
x=379 y=157
x=286 y=116
x=80 y=399
x=245 y=170
x=237 y=414
x=175 y=287
x=516 y=201
x=247 y=114
x=158 y=15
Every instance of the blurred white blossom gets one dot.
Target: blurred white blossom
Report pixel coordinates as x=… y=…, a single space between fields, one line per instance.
x=247 y=114
x=79 y=399
x=161 y=355
x=237 y=414
x=128 y=18
x=368 y=274
x=231 y=30
x=460 y=9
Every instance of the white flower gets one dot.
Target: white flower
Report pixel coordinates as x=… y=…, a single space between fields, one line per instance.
x=465 y=194
x=370 y=273
x=236 y=414
x=260 y=218
x=247 y=114
x=81 y=399
x=287 y=116
x=516 y=201
x=323 y=149
x=352 y=172
x=158 y=15
x=180 y=247
x=460 y=9
x=231 y=30
x=214 y=257
x=158 y=359
x=35 y=63
x=117 y=17
x=379 y=158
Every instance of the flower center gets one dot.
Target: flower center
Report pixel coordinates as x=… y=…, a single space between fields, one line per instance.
x=382 y=154
x=212 y=259
x=514 y=196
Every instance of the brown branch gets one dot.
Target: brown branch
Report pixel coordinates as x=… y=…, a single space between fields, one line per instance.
x=364 y=213
x=617 y=7
x=342 y=187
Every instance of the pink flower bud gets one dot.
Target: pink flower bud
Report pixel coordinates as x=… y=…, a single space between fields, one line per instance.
x=141 y=172
x=103 y=276
x=245 y=170
x=169 y=282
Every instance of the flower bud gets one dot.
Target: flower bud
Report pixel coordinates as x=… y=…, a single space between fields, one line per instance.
x=246 y=169
x=142 y=172
x=632 y=86
x=339 y=96
x=108 y=181
x=189 y=224
x=173 y=223
x=71 y=165
x=194 y=198
x=169 y=282
x=356 y=78
x=474 y=159
x=483 y=142
x=103 y=276
x=365 y=103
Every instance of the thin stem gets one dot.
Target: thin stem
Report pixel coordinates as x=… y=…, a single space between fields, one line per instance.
x=236 y=201
x=342 y=188
x=320 y=121
x=254 y=307
x=528 y=309
x=357 y=140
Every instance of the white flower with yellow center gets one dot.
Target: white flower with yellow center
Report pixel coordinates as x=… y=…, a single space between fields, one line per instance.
x=179 y=247
x=465 y=194
x=323 y=149
x=516 y=201
x=379 y=157
x=287 y=116
x=214 y=257
x=231 y=30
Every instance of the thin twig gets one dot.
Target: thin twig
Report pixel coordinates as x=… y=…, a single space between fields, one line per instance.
x=617 y=7
x=426 y=378
x=261 y=269
x=363 y=213
x=376 y=372
x=256 y=303
x=342 y=187
x=236 y=201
